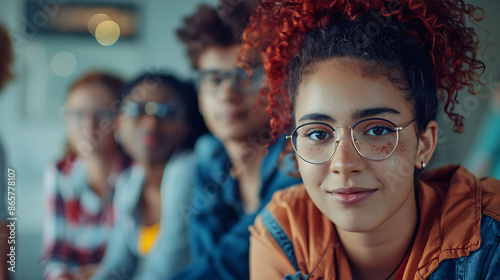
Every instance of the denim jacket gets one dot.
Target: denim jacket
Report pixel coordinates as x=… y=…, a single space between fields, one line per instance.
x=458 y=236
x=218 y=228
x=170 y=251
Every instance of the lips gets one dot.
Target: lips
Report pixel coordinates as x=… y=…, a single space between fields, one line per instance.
x=150 y=140
x=351 y=195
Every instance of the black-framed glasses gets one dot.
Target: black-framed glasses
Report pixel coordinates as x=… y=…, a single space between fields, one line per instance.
x=373 y=138
x=161 y=110
x=210 y=80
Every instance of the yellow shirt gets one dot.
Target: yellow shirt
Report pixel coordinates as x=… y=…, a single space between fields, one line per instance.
x=147 y=238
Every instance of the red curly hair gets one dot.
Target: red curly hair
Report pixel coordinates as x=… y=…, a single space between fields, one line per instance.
x=278 y=28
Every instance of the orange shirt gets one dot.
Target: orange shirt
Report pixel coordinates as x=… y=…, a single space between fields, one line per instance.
x=446 y=195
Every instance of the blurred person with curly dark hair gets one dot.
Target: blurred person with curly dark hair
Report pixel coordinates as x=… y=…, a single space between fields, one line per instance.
x=358 y=84
x=235 y=175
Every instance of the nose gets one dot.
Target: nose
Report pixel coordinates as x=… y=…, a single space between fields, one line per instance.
x=90 y=122
x=345 y=159
x=150 y=122
x=227 y=92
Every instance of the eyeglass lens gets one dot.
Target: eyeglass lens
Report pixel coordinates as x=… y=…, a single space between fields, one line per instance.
x=160 y=110
x=209 y=81
x=374 y=139
x=79 y=116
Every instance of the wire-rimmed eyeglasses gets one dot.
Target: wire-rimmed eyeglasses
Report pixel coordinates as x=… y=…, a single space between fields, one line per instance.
x=373 y=138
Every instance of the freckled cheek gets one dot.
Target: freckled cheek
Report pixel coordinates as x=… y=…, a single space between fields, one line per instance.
x=378 y=151
x=312 y=174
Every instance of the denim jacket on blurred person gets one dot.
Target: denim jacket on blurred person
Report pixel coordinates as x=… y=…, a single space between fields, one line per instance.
x=171 y=249
x=218 y=228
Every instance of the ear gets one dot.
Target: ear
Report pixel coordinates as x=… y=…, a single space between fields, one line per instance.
x=427 y=142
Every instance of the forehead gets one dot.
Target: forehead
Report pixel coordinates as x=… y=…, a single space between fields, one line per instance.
x=223 y=58
x=88 y=94
x=338 y=87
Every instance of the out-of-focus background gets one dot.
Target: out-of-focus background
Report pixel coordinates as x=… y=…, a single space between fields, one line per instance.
x=53 y=46
x=48 y=57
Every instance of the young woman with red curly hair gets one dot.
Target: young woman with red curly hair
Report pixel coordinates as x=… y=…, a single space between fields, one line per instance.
x=363 y=79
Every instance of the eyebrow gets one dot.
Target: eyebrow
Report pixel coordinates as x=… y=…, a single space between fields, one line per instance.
x=365 y=113
x=356 y=115
x=316 y=117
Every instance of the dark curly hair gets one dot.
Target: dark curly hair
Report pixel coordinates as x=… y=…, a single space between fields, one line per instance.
x=424 y=47
x=186 y=93
x=219 y=27
x=5 y=57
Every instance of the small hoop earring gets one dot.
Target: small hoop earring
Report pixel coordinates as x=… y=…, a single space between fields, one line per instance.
x=423 y=165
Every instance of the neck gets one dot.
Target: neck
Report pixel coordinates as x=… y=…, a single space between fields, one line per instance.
x=246 y=158
x=99 y=168
x=245 y=155
x=154 y=174
x=378 y=253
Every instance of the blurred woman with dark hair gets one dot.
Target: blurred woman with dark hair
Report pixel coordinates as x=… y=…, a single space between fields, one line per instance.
x=78 y=190
x=158 y=125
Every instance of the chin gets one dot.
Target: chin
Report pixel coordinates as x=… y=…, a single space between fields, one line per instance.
x=353 y=223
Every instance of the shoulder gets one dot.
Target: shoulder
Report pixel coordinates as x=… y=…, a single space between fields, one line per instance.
x=299 y=217
x=183 y=161
x=59 y=176
x=128 y=188
x=491 y=197
x=207 y=146
x=459 y=182
x=178 y=179
x=291 y=215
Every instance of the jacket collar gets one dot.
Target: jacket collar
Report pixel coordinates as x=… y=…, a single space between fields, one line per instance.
x=450 y=205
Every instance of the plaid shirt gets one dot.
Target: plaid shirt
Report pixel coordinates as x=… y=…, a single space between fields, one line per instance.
x=77 y=222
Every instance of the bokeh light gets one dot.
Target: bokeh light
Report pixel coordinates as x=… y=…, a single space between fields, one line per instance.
x=63 y=64
x=107 y=32
x=95 y=20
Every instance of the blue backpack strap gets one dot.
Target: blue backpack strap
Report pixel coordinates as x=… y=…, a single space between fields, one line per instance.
x=280 y=236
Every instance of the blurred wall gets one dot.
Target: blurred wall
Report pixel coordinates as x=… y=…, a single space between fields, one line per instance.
x=32 y=130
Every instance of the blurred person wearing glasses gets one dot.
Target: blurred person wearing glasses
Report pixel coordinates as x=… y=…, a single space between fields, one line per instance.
x=78 y=189
x=5 y=75
x=158 y=125
x=235 y=176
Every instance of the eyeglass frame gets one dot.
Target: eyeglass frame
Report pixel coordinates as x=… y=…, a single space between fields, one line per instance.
x=396 y=128
x=225 y=74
